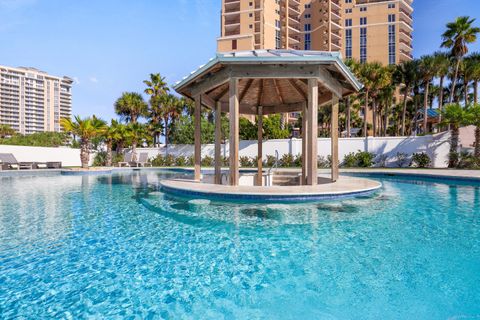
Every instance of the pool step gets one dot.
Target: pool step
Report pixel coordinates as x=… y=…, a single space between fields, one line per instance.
x=286 y=178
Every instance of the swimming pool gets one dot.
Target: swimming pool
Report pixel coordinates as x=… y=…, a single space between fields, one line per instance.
x=116 y=247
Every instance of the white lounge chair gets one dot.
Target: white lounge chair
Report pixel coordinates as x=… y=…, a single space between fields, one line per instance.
x=8 y=161
x=143 y=160
x=127 y=160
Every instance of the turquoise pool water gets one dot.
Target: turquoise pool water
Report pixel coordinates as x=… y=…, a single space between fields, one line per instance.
x=117 y=247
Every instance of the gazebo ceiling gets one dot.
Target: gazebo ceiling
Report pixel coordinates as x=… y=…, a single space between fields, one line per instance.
x=277 y=80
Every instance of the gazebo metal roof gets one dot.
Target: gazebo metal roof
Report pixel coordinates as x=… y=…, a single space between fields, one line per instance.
x=275 y=91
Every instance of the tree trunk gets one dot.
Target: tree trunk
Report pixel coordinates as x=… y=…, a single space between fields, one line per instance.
x=165 y=121
x=348 y=116
x=475 y=91
x=440 y=99
x=134 y=150
x=477 y=142
x=454 y=82
x=385 y=120
x=108 y=161
x=365 y=113
x=119 y=147
x=404 y=111
x=425 y=108
x=453 y=157
x=374 y=110
x=84 y=153
x=465 y=88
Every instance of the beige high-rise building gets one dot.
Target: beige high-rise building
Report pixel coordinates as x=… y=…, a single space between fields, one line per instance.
x=32 y=100
x=366 y=30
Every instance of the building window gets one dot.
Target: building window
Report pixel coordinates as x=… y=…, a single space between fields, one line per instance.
x=307 y=16
x=348 y=22
x=250 y=4
x=391 y=44
x=250 y=26
x=307 y=27
x=348 y=43
x=250 y=15
x=391 y=18
x=348 y=10
x=391 y=6
x=278 y=35
x=363 y=45
x=348 y=1
x=307 y=41
x=307 y=6
x=234 y=44
x=363 y=21
x=363 y=9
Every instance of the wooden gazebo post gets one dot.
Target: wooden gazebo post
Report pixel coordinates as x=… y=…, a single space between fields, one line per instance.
x=234 y=106
x=260 y=146
x=218 y=141
x=303 y=179
x=312 y=132
x=198 y=141
x=334 y=138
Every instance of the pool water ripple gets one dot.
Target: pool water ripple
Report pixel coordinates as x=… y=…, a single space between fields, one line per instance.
x=117 y=247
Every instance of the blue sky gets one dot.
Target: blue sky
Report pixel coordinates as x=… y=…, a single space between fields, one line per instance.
x=110 y=46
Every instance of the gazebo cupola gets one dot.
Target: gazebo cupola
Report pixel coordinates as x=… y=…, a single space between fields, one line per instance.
x=264 y=82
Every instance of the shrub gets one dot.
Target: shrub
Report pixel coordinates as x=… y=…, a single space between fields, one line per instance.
x=245 y=162
x=158 y=161
x=362 y=159
x=323 y=162
x=421 y=160
x=180 y=161
x=467 y=161
x=100 y=159
x=453 y=159
x=225 y=162
x=365 y=159
x=350 y=160
x=190 y=161
x=402 y=159
x=207 y=161
x=287 y=160
x=270 y=161
x=298 y=160
x=169 y=160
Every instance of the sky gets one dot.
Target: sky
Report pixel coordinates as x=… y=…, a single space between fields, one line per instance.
x=111 y=46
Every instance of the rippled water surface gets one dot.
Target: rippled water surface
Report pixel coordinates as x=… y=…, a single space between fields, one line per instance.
x=117 y=247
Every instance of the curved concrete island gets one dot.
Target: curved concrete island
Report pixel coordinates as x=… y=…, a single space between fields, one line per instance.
x=325 y=190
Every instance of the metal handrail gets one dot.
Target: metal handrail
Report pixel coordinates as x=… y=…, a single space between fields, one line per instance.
x=275 y=164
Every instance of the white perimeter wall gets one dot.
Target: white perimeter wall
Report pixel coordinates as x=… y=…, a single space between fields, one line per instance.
x=436 y=146
x=68 y=156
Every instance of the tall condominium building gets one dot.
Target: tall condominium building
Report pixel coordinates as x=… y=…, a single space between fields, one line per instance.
x=32 y=100
x=366 y=30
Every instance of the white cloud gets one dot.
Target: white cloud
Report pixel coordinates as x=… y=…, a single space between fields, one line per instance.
x=93 y=79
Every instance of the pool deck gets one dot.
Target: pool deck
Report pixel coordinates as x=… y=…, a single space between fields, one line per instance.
x=344 y=187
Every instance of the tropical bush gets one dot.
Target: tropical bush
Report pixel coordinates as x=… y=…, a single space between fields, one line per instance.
x=402 y=159
x=467 y=160
x=180 y=161
x=421 y=160
x=207 y=161
x=245 y=162
x=287 y=160
x=361 y=159
x=324 y=162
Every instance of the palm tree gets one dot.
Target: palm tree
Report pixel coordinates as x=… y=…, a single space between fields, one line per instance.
x=156 y=88
x=406 y=73
x=442 y=67
x=456 y=38
x=113 y=133
x=170 y=111
x=427 y=72
x=354 y=67
x=454 y=116
x=474 y=119
x=474 y=59
x=131 y=106
x=6 y=130
x=137 y=133
x=86 y=129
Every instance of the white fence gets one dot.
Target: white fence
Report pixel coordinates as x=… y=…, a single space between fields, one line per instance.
x=436 y=146
x=68 y=156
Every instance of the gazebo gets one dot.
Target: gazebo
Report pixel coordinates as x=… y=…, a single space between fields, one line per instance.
x=265 y=82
